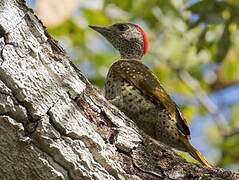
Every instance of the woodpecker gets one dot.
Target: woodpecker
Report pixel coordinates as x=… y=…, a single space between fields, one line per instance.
x=133 y=88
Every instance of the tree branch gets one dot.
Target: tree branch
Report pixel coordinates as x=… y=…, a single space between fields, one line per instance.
x=55 y=125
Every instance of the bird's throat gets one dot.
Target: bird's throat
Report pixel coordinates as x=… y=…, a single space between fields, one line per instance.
x=130 y=56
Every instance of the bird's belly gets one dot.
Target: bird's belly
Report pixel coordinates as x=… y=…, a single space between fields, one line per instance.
x=131 y=99
x=134 y=100
x=151 y=118
x=167 y=130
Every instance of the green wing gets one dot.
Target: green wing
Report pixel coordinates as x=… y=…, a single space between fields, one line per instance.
x=136 y=73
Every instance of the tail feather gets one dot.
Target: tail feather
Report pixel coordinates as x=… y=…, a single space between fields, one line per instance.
x=195 y=153
x=198 y=156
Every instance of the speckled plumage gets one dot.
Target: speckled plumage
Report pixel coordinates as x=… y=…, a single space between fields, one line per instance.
x=149 y=115
x=133 y=88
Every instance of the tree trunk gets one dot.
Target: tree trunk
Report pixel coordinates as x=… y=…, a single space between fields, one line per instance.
x=55 y=125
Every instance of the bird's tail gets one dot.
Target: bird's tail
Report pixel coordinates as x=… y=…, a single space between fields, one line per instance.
x=197 y=155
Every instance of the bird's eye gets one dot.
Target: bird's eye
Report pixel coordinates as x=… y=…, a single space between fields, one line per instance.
x=122 y=27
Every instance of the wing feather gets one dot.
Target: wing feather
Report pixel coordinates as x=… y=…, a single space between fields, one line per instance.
x=136 y=73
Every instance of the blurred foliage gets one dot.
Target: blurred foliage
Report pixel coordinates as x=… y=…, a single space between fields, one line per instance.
x=197 y=36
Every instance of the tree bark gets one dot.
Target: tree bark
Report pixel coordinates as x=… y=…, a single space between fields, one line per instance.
x=55 y=125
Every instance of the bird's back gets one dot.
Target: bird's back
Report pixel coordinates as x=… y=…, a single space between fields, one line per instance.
x=148 y=113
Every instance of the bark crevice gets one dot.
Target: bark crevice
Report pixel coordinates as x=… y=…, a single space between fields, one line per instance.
x=28 y=120
x=53 y=162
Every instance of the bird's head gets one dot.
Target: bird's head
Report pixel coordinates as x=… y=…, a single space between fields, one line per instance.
x=129 y=39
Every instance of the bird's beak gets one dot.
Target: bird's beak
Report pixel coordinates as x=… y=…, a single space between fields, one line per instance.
x=100 y=29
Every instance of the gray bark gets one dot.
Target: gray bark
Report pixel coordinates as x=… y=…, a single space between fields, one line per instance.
x=55 y=125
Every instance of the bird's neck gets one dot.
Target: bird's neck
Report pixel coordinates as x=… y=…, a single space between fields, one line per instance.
x=130 y=56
